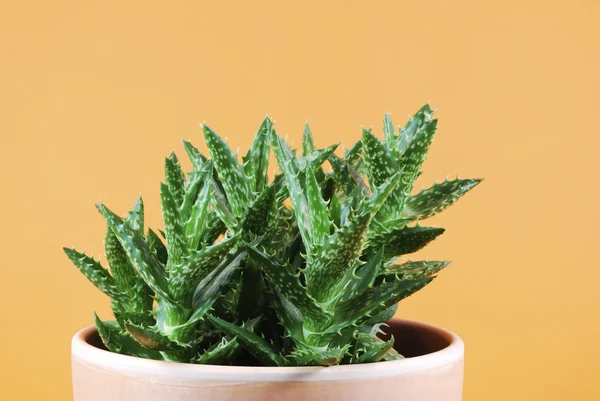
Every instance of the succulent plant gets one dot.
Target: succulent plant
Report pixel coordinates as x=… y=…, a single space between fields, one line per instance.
x=302 y=270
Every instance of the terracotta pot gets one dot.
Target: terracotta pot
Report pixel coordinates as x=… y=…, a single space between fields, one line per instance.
x=432 y=371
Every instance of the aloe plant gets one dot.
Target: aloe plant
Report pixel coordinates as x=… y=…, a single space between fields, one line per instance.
x=299 y=270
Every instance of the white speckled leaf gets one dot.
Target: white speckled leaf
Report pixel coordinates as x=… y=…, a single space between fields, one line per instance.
x=375 y=300
x=434 y=200
x=175 y=178
x=257 y=159
x=142 y=259
x=331 y=267
x=289 y=287
x=319 y=218
x=381 y=165
x=389 y=135
x=174 y=230
x=231 y=172
x=94 y=272
x=188 y=274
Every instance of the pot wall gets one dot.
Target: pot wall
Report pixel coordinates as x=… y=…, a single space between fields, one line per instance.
x=99 y=375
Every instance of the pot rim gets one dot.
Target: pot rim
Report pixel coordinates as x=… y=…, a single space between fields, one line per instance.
x=165 y=371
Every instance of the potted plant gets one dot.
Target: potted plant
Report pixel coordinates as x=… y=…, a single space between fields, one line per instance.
x=279 y=290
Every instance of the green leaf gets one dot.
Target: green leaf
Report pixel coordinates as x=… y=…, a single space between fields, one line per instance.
x=319 y=219
x=288 y=165
x=416 y=152
x=381 y=165
x=257 y=159
x=138 y=252
x=197 y=158
x=354 y=155
x=392 y=355
x=117 y=341
x=374 y=349
x=308 y=143
x=289 y=287
x=346 y=176
x=157 y=247
x=317 y=158
x=187 y=275
x=231 y=172
x=127 y=314
x=213 y=228
x=135 y=217
x=175 y=179
x=415 y=270
x=432 y=201
x=374 y=300
x=261 y=216
x=389 y=134
x=404 y=240
x=263 y=351
x=365 y=275
x=150 y=339
x=210 y=287
x=219 y=354
x=328 y=271
x=412 y=126
x=94 y=272
x=123 y=273
x=308 y=148
x=382 y=193
x=317 y=356
x=176 y=243
x=383 y=316
x=195 y=226
x=201 y=178
x=335 y=210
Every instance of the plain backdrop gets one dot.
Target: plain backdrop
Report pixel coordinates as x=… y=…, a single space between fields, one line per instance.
x=93 y=95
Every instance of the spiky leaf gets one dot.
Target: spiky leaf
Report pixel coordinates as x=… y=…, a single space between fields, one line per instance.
x=375 y=299
x=414 y=270
x=288 y=164
x=187 y=275
x=389 y=135
x=317 y=356
x=175 y=178
x=381 y=165
x=330 y=268
x=195 y=226
x=150 y=339
x=142 y=259
x=262 y=350
x=117 y=341
x=176 y=244
x=135 y=217
x=435 y=199
x=365 y=275
x=416 y=152
x=257 y=159
x=231 y=172
x=414 y=123
x=94 y=272
x=319 y=219
x=405 y=240
x=261 y=215
x=211 y=286
x=157 y=247
x=374 y=349
x=290 y=288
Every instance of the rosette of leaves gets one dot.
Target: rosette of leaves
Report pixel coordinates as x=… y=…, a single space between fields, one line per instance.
x=302 y=270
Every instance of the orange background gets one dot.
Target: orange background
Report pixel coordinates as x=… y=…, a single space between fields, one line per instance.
x=94 y=94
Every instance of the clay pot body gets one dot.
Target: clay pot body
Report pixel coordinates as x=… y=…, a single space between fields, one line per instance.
x=432 y=371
